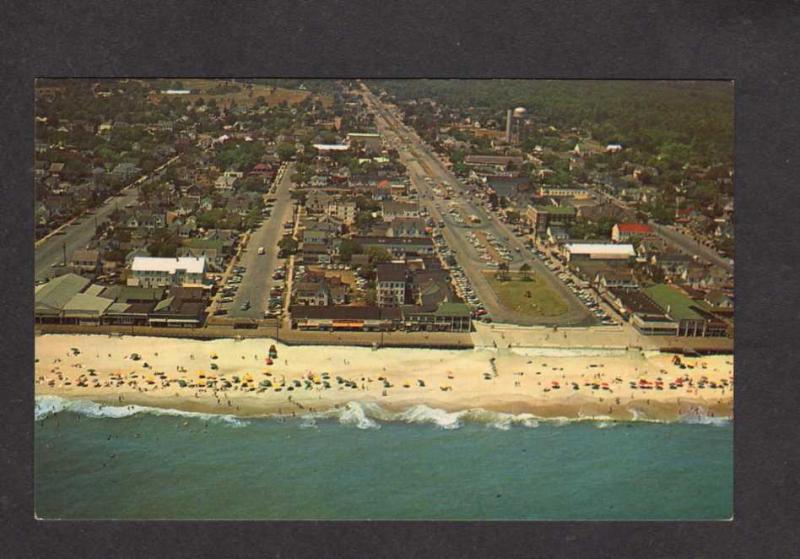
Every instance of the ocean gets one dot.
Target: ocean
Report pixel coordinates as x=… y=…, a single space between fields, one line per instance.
x=360 y=462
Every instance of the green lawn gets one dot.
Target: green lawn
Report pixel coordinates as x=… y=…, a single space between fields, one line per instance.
x=513 y=294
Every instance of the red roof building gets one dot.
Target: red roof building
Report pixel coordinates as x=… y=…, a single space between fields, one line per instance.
x=621 y=232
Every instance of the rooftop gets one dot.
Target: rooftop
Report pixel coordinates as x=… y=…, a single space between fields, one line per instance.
x=332 y=147
x=604 y=248
x=557 y=210
x=674 y=302
x=86 y=303
x=57 y=292
x=343 y=312
x=640 y=228
x=493 y=159
x=191 y=264
x=390 y=272
x=419 y=241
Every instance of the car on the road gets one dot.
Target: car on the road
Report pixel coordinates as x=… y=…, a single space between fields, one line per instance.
x=245 y=306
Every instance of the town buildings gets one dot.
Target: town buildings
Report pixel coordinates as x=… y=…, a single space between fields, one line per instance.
x=164 y=272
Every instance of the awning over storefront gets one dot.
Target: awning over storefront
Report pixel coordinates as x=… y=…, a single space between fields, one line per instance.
x=348 y=324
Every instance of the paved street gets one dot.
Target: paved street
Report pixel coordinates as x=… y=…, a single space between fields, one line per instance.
x=257 y=279
x=689 y=245
x=421 y=163
x=77 y=235
x=684 y=242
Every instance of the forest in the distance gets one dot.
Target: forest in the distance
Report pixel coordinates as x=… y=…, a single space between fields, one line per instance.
x=688 y=120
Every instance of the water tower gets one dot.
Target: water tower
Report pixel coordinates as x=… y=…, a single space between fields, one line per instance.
x=515 y=124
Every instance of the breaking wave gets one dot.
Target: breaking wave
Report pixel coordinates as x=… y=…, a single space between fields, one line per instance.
x=48 y=405
x=369 y=415
x=701 y=417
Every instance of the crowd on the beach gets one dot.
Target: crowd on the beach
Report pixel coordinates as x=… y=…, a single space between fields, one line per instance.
x=690 y=378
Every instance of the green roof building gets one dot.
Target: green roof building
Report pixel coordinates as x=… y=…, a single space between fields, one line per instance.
x=693 y=317
x=444 y=317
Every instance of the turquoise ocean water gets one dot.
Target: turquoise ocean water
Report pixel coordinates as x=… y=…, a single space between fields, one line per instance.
x=99 y=462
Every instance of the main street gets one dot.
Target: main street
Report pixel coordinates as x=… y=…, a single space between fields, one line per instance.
x=257 y=279
x=421 y=163
x=690 y=246
x=682 y=241
x=76 y=235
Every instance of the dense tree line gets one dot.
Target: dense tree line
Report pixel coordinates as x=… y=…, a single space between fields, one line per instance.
x=671 y=122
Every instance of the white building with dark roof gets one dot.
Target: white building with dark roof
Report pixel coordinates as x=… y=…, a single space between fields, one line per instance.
x=598 y=251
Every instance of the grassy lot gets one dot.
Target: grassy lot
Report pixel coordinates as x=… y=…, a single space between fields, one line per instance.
x=513 y=294
x=248 y=95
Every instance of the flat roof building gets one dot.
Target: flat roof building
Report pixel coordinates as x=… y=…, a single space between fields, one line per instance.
x=599 y=251
x=149 y=271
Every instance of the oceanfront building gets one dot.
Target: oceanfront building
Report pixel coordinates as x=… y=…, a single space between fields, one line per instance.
x=147 y=271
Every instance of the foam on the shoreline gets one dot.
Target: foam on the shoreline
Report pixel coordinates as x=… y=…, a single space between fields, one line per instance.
x=365 y=415
x=48 y=405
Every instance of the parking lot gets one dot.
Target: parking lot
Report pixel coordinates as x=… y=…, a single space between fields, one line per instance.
x=587 y=296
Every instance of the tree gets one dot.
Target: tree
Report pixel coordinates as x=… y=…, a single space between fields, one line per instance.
x=288 y=245
x=502 y=271
x=164 y=244
x=286 y=151
x=378 y=255
x=364 y=220
x=365 y=204
x=348 y=248
x=524 y=270
x=211 y=218
x=253 y=184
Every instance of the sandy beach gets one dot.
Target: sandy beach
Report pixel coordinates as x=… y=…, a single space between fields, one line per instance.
x=232 y=377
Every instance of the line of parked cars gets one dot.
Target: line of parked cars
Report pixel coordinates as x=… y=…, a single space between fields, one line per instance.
x=461 y=283
x=227 y=293
x=276 y=292
x=586 y=297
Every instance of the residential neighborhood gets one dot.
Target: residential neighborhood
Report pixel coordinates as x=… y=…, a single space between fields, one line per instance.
x=349 y=206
